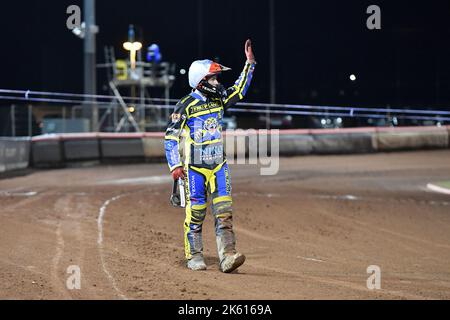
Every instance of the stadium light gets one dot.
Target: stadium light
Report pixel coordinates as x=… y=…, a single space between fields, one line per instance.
x=133 y=47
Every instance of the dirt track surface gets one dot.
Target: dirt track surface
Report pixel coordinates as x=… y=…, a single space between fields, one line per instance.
x=309 y=232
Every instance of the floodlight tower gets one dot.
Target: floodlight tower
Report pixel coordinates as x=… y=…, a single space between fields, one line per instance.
x=90 y=78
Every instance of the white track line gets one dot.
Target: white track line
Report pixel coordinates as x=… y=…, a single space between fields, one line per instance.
x=57 y=258
x=19 y=194
x=438 y=189
x=100 y=243
x=311 y=259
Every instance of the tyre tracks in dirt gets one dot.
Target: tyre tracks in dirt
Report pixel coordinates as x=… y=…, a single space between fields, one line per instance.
x=304 y=238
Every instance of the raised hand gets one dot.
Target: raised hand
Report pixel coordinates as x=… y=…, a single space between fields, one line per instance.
x=249 y=52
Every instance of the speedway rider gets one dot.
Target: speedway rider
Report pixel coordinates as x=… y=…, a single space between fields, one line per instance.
x=198 y=119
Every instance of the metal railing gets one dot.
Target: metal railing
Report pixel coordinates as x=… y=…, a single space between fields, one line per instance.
x=111 y=114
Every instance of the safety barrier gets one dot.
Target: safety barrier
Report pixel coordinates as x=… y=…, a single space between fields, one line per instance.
x=337 y=141
x=47 y=151
x=54 y=150
x=14 y=153
x=80 y=147
x=57 y=149
x=410 y=138
x=153 y=144
x=121 y=146
x=326 y=141
x=296 y=144
x=448 y=130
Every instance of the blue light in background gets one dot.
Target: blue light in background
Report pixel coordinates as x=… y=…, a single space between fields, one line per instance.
x=153 y=53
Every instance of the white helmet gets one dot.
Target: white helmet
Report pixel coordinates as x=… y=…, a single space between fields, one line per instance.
x=200 y=69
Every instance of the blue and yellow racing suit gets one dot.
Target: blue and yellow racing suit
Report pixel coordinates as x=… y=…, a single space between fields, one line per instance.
x=198 y=120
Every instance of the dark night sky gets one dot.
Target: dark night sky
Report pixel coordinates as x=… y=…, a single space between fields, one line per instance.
x=318 y=45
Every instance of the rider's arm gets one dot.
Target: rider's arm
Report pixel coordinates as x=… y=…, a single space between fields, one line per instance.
x=237 y=92
x=173 y=133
